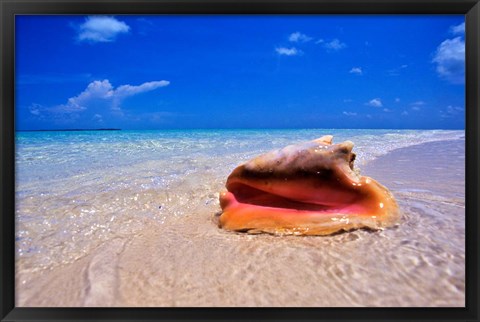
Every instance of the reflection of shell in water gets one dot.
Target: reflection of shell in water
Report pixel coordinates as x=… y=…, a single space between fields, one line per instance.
x=305 y=189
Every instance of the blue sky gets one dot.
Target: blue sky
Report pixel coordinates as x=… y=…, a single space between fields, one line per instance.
x=156 y=72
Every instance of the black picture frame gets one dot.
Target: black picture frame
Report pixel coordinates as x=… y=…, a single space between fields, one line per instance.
x=10 y=8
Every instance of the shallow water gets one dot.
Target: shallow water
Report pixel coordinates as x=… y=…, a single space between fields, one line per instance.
x=128 y=219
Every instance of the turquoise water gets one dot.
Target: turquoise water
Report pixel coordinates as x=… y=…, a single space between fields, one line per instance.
x=52 y=155
x=76 y=191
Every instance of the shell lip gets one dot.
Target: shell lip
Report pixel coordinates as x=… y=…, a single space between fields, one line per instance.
x=252 y=196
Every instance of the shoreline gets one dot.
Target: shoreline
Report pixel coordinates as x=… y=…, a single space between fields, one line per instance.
x=434 y=167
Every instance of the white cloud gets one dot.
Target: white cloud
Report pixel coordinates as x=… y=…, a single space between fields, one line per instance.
x=347 y=100
x=335 y=45
x=397 y=100
x=356 y=70
x=418 y=103
x=124 y=91
x=95 y=90
x=376 y=102
x=459 y=29
x=396 y=71
x=404 y=113
x=387 y=110
x=35 y=109
x=299 y=37
x=98 y=118
x=451 y=111
x=288 y=51
x=101 y=29
x=454 y=109
x=320 y=41
x=99 y=94
x=450 y=60
x=129 y=90
x=349 y=113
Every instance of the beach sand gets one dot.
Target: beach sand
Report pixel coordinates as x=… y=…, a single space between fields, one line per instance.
x=188 y=261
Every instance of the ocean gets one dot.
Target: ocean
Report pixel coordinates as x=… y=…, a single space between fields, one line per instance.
x=127 y=218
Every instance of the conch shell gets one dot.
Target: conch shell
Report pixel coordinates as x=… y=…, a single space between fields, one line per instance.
x=305 y=189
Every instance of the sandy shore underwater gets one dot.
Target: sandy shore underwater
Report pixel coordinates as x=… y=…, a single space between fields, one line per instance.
x=188 y=261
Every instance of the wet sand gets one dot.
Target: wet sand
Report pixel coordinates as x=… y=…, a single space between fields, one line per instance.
x=189 y=261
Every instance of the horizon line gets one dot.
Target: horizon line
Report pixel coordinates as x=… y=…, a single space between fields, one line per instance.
x=240 y=128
